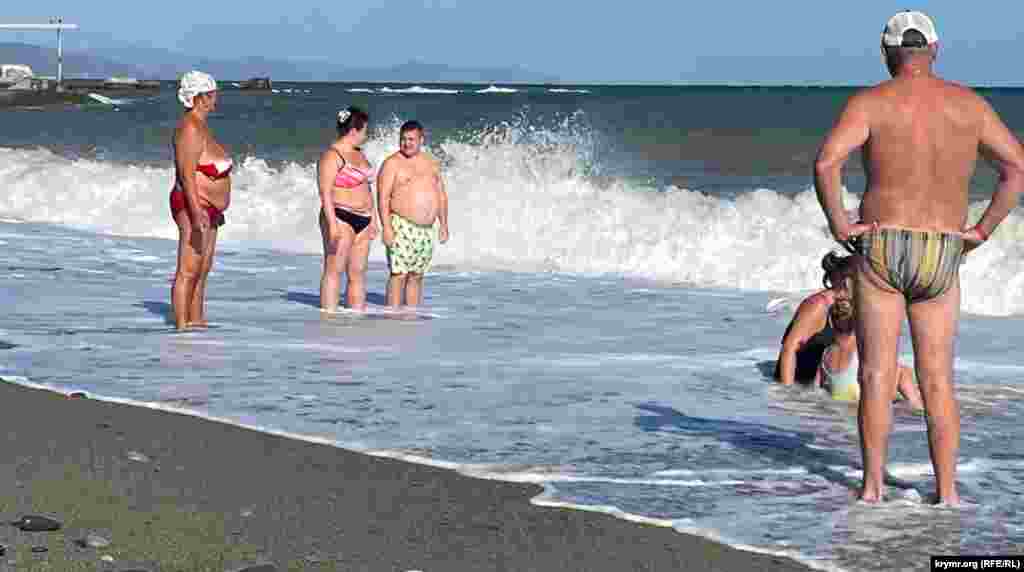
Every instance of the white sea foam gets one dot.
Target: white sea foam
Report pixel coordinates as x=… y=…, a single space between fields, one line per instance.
x=544 y=477
x=564 y=90
x=416 y=89
x=547 y=499
x=796 y=471
x=496 y=89
x=525 y=206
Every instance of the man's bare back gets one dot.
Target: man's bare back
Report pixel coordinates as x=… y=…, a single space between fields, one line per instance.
x=921 y=137
x=923 y=148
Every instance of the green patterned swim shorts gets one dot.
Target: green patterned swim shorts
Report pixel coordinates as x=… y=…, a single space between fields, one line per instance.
x=413 y=247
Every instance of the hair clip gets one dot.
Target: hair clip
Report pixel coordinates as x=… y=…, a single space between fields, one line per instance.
x=343 y=115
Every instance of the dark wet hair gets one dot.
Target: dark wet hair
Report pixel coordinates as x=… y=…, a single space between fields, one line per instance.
x=914 y=39
x=914 y=43
x=842 y=315
x=408 y=126
x=832 y=263
x=356 y=120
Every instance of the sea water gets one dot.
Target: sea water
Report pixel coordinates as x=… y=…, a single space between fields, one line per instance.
x=604 y=320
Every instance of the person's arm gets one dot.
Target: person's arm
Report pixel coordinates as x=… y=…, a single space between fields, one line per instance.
x=850 y=132
x=374 y=214
x=809 y=318
x=188 y=146
x=327 y=169
x=443 y=213
x=1001 y=148
x=385 y=183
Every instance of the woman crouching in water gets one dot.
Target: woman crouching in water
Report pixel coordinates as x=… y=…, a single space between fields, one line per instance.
x=809 y=332
x=840 y=367
x=201 y=194
x=347 y=220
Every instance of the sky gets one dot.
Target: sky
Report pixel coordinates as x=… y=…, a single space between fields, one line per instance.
x=795 y=41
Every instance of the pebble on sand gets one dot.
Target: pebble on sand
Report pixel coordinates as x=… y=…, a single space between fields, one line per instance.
x=36 y=523
x=137 y=456
x=93 y=541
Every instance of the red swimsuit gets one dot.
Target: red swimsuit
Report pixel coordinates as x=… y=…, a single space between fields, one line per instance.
x=215 y=170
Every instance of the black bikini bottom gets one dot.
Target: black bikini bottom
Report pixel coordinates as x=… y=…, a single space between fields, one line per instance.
x=357 y=222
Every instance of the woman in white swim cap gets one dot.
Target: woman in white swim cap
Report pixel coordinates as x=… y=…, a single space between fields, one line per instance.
x=201 y=194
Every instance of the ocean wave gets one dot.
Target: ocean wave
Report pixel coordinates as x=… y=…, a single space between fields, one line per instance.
x=416 y=89
x=496 y=89
x=522 y=199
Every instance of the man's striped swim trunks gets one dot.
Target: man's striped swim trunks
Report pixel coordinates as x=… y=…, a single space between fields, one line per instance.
x=922 y=265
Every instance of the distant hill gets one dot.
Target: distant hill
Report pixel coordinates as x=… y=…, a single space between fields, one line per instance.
x=43 y=62
x=155 y=63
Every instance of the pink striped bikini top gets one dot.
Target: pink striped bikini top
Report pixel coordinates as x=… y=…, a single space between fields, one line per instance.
x=350 y=176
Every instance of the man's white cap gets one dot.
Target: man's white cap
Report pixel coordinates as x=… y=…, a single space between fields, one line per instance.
x=900 y=24
x=192 y=84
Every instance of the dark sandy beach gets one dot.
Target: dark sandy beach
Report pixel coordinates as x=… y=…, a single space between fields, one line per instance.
x=174 y=492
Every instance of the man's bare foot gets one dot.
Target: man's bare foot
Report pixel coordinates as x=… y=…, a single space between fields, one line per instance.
x=873 y=497
x=197 y=324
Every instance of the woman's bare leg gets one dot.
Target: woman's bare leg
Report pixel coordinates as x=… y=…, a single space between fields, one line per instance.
x=186 y=275
x=334 y=262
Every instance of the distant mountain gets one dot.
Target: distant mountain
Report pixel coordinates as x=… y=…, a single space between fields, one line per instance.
x=155 y=63
x=43 y=62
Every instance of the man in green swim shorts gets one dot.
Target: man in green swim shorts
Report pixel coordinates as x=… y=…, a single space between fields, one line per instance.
x=410 y=197
x=921 y=138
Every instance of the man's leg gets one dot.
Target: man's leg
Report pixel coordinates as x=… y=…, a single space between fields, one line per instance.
x=396 y=287
x=933 y=326
x=414 y=290
x=880 y=311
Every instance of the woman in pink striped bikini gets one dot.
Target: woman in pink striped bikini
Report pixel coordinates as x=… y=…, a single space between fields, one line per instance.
x=347 y=220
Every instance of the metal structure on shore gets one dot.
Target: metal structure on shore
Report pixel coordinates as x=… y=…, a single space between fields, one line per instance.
x=54 y=24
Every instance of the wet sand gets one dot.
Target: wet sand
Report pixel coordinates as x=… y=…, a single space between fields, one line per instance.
x=175 y=492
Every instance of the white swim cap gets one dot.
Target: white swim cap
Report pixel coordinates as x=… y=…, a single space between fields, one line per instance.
x=192 y=84
x=903 y=22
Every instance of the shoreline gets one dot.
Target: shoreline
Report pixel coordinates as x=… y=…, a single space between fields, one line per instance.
x=299 y=503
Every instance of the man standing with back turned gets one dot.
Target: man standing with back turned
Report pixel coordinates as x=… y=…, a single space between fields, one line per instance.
x=921 y=137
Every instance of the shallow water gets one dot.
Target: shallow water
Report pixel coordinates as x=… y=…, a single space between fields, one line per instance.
x=613 y=392
x=606 y=338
